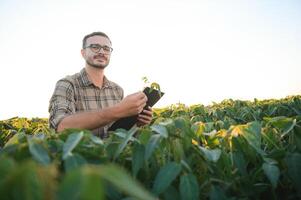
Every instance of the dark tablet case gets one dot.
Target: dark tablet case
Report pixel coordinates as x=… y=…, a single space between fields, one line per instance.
x=153 y=97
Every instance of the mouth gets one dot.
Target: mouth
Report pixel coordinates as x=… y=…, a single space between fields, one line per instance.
x=101 y=59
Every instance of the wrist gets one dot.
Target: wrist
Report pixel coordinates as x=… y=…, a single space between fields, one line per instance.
x=116 y=111
x=108 y=115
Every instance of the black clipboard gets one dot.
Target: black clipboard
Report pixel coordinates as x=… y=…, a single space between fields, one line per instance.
x=127 y=123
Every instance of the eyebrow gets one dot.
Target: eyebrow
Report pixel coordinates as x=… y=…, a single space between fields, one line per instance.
x=99 y=45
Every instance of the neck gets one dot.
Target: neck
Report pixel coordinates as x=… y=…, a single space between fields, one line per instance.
x=95 y=75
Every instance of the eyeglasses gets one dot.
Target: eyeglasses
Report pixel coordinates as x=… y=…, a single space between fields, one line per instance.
x=96 y=48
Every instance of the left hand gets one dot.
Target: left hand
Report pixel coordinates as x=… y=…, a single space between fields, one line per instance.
x=145 y=117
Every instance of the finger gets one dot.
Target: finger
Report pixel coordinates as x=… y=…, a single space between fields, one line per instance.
x=147 y=112
x=141 y=95
x=150 y=115
x=138 y=95
x=141 y=106
x=144 y=121
x=144 y=97
x=142 y=102
x=140 y=110
x=145 y=117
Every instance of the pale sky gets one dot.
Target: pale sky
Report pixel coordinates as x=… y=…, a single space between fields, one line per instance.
x=199 y=51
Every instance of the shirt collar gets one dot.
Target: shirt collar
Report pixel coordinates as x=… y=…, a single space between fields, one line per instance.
x=87 y=82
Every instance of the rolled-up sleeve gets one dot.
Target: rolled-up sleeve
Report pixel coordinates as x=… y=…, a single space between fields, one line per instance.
x=62 y=102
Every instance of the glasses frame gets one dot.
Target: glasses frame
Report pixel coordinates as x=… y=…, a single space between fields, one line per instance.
x=91 y=46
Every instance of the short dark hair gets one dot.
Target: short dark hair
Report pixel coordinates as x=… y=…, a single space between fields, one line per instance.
x=93 y=34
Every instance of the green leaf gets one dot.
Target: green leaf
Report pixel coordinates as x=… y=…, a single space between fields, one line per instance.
x=293 y=162
x=285 y=124
x=165 y=176
x=96 y=139
x=38 y=152
x=120 y=133
x=177 y=149
x=25 y=182
x=55 y=146
x=289 y=126
x=211 y=154
x=186 y=166
x=252 y=133
x=171 y=194
x=138 y=158
x=6 y=166
x=270 y=161
x=272 y=172
x=72 y=140
x=184 y=126
x=15 y=139
x=144 y=136
x=128 y=198
x=120 y=179
x=74 y=161
x=217 y=193
x=297 y=137
x=112 y=193
x=189 y=187
x=111 y=148
x=82 y=183
x=151 y=145
x=240 y=162
x=145 y=79
x=40 y=136
x=160 y=129
x=155 y=85
x=123 y=144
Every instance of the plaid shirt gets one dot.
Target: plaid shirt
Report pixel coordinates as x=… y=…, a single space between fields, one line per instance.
x=77 y=93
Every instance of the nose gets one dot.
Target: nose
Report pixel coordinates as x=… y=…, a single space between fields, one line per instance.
x=101 y=50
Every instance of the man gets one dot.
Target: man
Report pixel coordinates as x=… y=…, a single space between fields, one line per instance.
x=88 y=99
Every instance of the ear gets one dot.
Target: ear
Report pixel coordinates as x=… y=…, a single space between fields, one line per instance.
x=82 y=51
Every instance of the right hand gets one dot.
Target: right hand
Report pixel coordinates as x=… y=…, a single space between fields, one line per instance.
x=133 y=104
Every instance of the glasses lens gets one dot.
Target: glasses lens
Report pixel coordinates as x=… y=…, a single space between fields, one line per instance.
x=96 y=48
x=107 y=49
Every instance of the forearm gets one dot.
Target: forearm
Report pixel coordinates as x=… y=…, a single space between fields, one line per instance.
x=129 y=106
x=90 y=120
